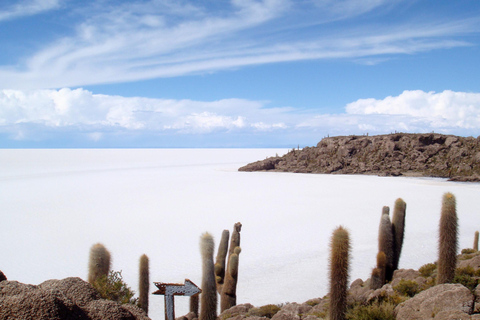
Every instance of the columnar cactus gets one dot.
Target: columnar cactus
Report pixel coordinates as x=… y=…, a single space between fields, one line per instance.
x=228 y=296
x=398 y=229
x=229 y=292
x=379 y=271
x=339 y=265
x=208 y=299
x=447 y=242
x=386 y=242
x=220 y=260
x=143 y=283
x=194 y=304
x=99 y=262
x=475 y=241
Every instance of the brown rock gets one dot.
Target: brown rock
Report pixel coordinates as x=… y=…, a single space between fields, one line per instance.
x=70 y=298
x=431 y=302
x=238 y=310
x=292 y=311
x=2 y=276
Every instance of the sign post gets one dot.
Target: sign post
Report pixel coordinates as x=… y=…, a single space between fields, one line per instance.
x=174 y=289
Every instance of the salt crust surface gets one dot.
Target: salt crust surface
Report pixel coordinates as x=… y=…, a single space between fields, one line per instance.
x=55 y=204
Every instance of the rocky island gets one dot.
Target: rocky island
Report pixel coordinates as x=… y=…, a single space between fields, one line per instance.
x=407 y=154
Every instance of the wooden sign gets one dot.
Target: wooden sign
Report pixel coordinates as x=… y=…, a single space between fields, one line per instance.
x=174 y=289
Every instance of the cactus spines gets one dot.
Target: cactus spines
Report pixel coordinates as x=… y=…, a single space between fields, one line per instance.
x=99 y=262
x=220 y=260
x=398 y=228
x=208 y=299
x=386 y=241
x=339 y=265
x=143 y=283
x=448 y=242
x=475 y=241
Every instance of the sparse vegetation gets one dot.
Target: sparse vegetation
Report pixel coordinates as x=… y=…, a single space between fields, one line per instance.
x=268 y=311
x=407 y=288
x=376 y=311
x=112 y=287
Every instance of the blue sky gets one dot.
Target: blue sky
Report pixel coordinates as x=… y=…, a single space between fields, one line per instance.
x=239 y=73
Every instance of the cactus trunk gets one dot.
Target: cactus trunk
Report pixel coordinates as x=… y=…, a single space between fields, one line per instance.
x=448 y=242
x=144 y=283
x=228 y=297
x=220 y=261
x=99 y=262
x=475 y=241
x=398 y=228
x=208 y=300
x=385 y=242
x=339 y=265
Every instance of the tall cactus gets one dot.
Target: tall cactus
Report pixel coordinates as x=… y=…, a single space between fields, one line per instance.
x=398 y=228
x=448 y=241
x=220 y=261
x=99 y=262
x=208 y=299
x=194 y=304
x=386 y=242
x=339 y=265
x=475 y=241
x=228 y=296
x=144 y=283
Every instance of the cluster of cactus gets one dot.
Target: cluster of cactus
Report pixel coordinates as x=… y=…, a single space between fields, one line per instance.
x=218 y=276
x=339 y=266
x=390 y=242
x=99 y=269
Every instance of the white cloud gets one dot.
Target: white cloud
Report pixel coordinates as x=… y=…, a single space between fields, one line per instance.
x=143 y=40
x=27 y=8
x=441 y=110
x=30 y=115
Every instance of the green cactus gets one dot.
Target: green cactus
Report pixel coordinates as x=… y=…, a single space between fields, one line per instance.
x=220 y=260
x=447 y=242
x=386 y=242
x=208 y=298
x=398 y=228
x=144 y=283
x=228 y=296
x=339 y=265
x=99 y=263
x=475 y=241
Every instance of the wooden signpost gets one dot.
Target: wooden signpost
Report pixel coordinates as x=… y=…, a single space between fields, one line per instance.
x=174 y=289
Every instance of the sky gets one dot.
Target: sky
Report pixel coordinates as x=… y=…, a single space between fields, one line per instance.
x=238 y=73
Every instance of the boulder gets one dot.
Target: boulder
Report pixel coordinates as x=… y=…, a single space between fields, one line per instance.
x=292 y=311
x=70 y=298
x=437 y=301
x=2 y=276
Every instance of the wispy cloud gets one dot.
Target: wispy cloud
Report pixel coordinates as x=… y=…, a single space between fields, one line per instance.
x=27 y=8
x=27 y=115
x=136 y=41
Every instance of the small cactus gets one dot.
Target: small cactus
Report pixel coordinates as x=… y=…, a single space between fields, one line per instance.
x=208 y=298
x=386 y=242
x=447 y=242
x=339 y=265
x=398 y=228
x=144 y=283
x=475 y=241
x=376 y=281
x=99 y=262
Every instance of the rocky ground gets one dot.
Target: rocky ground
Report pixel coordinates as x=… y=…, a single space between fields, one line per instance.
x=70 y=298
x=432 y=155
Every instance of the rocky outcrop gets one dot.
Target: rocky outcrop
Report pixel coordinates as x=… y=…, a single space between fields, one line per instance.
x=70 y=298
x=432 y=155
x=445 y=301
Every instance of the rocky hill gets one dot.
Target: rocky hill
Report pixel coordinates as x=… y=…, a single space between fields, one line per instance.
x=430 y=155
